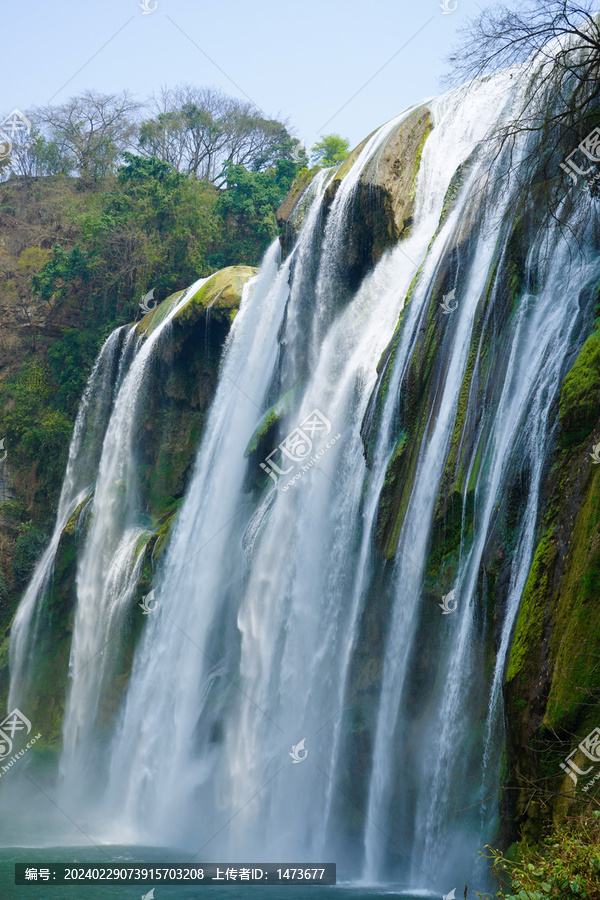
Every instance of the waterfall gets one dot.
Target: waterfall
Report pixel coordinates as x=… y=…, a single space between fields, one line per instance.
x=84 y=454
x=283 y=623
x=109 y=563
x=280 y=629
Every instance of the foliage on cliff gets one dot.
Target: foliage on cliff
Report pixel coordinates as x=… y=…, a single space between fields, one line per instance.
x=75 y=261
x=565 y=865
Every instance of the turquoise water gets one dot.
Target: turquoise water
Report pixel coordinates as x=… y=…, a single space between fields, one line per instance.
x=123 y=855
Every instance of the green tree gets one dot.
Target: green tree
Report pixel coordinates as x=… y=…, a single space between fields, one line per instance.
x=330 y=150
x=200 y=131
x=247 y=207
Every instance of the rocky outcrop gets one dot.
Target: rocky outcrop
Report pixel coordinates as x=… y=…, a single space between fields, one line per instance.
x=178 y=389
x=383 y=204
x=385 y=194
x=182 y=384
x=290 y=212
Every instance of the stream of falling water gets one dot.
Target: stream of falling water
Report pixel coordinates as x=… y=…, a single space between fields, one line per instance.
x=84 y=455
x=283 y=623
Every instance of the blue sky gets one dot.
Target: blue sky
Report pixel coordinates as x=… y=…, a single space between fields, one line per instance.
x=302 y=61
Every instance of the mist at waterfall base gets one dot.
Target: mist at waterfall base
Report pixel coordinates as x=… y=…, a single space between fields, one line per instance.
x=258 y=636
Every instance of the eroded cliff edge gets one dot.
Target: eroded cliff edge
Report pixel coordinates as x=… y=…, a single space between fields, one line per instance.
x=551 y=683
x=179 y=385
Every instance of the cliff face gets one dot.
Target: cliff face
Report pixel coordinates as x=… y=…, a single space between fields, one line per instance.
x=551 y=684
x=179 y=387
x=383 y=204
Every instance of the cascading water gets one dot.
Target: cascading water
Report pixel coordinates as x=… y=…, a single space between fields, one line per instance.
x=269 y=603
x=108 y=564
x=84 y=454
x=297 y=632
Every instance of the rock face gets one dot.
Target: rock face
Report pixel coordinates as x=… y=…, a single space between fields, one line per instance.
x=384 y=199
x=220 y=296
x=552 y=686
x=289 y=215
x=171 y=416
x=184 y=379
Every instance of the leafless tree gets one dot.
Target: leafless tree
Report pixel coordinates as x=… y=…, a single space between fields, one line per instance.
x=199 y=130
x=94 y=129
x=33 y=156
x=554 y=45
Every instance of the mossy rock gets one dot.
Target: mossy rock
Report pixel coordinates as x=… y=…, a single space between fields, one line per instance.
x=384 y=199
x=552 y=686
x=156 y=316
x=394 y=497
x=580 y=394
x=265 y=437
x=527 y=640
x=221 y=295
x=271 y=418
x=383 y=205
x=181 y=385
x=46 y=698
x=343 y=169
x=289 y=213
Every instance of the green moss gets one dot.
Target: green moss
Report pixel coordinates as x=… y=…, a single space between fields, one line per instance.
x=153 y=319
x=299 y=185
x=529 y=629
x=514 y=264
x=222 y=294
x=456 y=183
x=419 y=153
x=575 y=689
x=49 y=674
x=394 y=497
x=446 y=540
x=580 y=394
x=265 y=428
x=267 y=425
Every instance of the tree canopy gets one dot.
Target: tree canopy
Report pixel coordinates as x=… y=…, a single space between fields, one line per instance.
x=198 y=131
x=330 y=150
x=554 y=45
